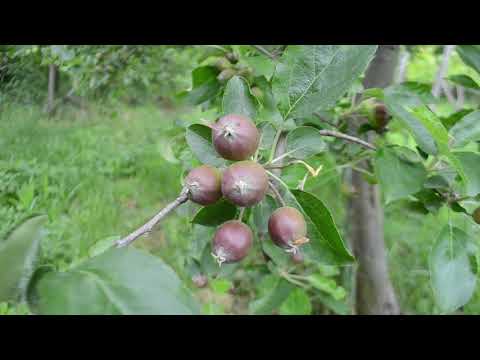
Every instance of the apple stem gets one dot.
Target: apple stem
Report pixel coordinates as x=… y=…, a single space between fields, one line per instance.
x=277 y=194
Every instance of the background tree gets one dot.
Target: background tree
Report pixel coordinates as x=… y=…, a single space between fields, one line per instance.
x=52 y=87
x=374 y=292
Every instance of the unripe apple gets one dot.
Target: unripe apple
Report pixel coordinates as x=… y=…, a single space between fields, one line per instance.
x=287 y=228
x=222 y=64
x=204 y=184
x=245 y=183
x=297 y=257
x=382 y=116
x=476 y=215
x=245 y=72
x=200 y=280
x=226 y=75
x=235 y=137
x=232 y=242
x=257 y=92
x=232 y=57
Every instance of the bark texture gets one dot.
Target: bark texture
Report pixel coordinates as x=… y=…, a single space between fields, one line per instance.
x=374 y=293
x=442 y=70
x=52 y=86
x=402 y=67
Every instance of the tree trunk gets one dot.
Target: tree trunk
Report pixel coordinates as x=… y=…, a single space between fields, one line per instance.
x=402 y=66
x=374 y=293
x=440 y=85
x=449 y=94
x=442 y=70
x=52 y=86
x=460 y=96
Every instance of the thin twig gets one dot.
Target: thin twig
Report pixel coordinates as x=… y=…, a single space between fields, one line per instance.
x=463 y=198
x=291 y=279
x=274 y=145
x=255 y=157
x=182 y=198
x=302 y=183
x=264 y=51
x=363 y=171
x=240 y=216
x=331 y=133
x=322 y=119
x=277 y=194
x=347 y=137
x=273 y=167
x=280 y=181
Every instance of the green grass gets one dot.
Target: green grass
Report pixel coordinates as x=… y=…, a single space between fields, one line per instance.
x=95 y=175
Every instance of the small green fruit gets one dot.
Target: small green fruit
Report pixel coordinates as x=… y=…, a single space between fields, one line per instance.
x=257 y=93
x=232 y=57
x=297 y=257
x=476 y=215
x=226 y=75
x=200 y=280
x=222 y=64
x=245 y=72
x=381 y=116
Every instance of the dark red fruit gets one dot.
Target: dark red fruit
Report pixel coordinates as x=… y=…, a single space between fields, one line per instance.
x=297 y=257
x=245 y=183
x=287 y=228
x=204 y=184
x=231 y=242
x=382 y=116
x=235 y=137
x=200 y=280
x=476 y=215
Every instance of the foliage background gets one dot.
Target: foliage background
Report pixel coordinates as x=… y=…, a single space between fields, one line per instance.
x=100 y=172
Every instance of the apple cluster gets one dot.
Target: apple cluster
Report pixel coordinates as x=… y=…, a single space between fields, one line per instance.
x=244 y=183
